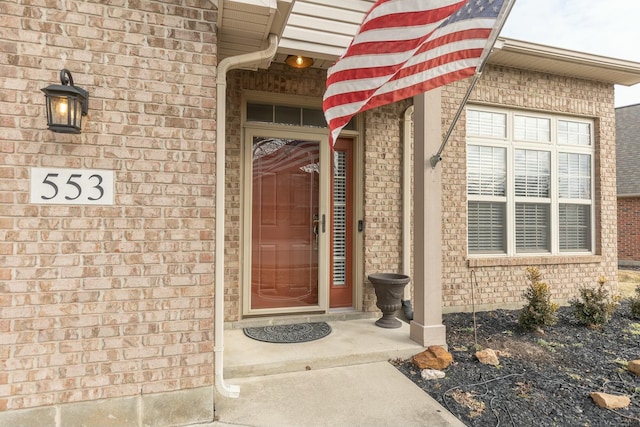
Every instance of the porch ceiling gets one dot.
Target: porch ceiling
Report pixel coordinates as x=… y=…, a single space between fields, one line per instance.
x=322 y=29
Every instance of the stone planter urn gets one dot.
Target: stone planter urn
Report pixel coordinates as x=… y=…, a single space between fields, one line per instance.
x=389 y=289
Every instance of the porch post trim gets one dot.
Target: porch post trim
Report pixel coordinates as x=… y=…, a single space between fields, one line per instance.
x=426 y=327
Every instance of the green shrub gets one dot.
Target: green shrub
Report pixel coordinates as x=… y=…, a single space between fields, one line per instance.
x=595 y=307
x=539 y=310
x=635 y=304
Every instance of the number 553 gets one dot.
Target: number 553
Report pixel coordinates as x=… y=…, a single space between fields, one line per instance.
x=71 y=186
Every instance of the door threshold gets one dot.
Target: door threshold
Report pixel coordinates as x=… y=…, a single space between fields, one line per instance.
x=333 y=315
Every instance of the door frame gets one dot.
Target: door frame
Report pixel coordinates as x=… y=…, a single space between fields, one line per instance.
x=299 y=133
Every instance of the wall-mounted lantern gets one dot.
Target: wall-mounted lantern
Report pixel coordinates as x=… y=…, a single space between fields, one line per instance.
x=66 y=104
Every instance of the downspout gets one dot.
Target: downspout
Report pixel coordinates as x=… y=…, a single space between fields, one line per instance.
x=224 y=66
x=407 y=138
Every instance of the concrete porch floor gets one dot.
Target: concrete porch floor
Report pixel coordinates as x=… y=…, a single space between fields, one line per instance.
x=351 y=342
x=343 y=379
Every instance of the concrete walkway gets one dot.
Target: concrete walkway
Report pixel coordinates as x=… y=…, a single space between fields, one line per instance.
x=368 y=395
x=344 y=379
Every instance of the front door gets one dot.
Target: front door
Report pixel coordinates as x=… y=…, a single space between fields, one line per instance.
x=285 y=235
x=301 y=225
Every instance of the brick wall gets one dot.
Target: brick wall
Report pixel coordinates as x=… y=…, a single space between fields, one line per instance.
x=382 y=194
x=501 y=283
x=629 y=229
x=109 y=301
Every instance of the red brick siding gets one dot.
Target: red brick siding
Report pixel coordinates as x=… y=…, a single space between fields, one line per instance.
x=629 y=229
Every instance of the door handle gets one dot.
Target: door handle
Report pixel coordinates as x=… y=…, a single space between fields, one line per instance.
x=322 y=222
x=315 y=223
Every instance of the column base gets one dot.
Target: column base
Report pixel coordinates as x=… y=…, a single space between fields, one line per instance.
x=427 y=335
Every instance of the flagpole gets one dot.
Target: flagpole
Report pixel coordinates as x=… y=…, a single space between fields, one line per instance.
x=436 y=158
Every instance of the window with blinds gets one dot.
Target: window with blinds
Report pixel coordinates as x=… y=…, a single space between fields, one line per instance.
x=532 y=227
x=486 y=171
x=532 y=171
x=575 y=222
x=486 y=227
x=529 y=183
x=340 y=219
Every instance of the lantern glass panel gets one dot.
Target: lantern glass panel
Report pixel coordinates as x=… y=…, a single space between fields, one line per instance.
x=59 y=110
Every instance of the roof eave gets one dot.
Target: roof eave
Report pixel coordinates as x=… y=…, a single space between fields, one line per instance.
x=549 y=59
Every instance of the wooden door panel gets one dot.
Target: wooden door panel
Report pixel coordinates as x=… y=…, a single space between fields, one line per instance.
x=285 y=198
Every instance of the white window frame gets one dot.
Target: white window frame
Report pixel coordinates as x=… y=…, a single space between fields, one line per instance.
x=555 y=148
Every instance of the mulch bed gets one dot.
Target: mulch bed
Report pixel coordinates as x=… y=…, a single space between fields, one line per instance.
x=545 y=380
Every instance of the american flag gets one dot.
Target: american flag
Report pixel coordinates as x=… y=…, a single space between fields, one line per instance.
x=407 y=47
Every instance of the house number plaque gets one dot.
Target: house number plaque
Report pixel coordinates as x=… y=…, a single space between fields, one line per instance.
x=71 y=186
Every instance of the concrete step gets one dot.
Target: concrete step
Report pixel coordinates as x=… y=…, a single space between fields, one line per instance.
x=350 y=342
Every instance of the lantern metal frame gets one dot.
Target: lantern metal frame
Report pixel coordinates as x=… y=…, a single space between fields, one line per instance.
x=65 y=105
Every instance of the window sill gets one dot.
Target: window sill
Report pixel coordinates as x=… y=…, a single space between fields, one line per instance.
x=533 y=260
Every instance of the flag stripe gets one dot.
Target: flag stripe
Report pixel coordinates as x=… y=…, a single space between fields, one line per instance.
x=429 y=75
x=428 y=69
x=364 y=77
x=383 y=59
x=406 y=47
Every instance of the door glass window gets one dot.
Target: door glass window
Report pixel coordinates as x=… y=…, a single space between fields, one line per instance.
x=284 y=233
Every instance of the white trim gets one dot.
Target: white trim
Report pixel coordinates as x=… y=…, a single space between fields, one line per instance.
x=289 y=132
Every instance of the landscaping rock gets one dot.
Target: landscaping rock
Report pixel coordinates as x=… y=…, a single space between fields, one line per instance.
x=431 y=374
x=543 y=382
x=487 y=357
x=434 y=357
x=610 y=401
x=634 y=366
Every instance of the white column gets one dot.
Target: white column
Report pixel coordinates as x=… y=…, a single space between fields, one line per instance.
x=426 y=327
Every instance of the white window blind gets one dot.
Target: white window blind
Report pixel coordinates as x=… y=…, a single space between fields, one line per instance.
x=574 y=175
x=532 y=173
x=487 y=170
x=340 y=219
x=532 y=227
x=575 y=226
x=486 y=227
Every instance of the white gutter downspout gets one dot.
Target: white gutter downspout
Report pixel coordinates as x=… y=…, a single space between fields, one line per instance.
x=407 y=135
x=224 y=66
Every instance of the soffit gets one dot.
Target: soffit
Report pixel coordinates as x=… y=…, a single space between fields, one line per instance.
x=322 y=29
x=547 y=59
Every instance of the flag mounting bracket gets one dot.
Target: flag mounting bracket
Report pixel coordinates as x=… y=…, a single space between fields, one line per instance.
x=502 y=17
x=436 y=158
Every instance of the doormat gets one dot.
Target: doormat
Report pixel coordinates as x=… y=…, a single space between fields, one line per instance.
x=299 y=332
